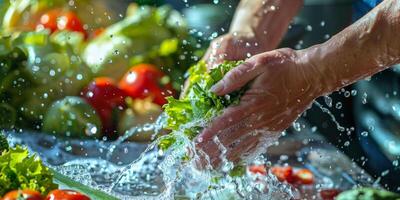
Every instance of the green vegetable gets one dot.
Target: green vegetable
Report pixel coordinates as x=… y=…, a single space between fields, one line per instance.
x=55 y=68
x=72 y=117
x=368 y=194
x=3 y=143
x=20 y=13
x=198 y=104
x=14 y=80
x=148 y=35
x=71 y=184
x=19 y=170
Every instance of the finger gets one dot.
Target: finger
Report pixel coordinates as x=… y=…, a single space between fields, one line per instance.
x=231 y=116
x=236 y=78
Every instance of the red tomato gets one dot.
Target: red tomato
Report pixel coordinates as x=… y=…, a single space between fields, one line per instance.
x=258 y=169
x=66 y=195
x=57 y=20
x=146 y=80
x=49 y=20
x=283 y=173
x=70 y=21
x=105 y=97
x=329 y=194
x=304 y=176
x=25 y=194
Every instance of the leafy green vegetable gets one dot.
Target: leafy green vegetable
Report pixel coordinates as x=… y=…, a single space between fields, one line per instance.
x=199 y=103
x=72 y=116
x=3 y=143
x=19 y=170
x=368 y=194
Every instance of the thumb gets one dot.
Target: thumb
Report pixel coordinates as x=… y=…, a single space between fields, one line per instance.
x=238 y=77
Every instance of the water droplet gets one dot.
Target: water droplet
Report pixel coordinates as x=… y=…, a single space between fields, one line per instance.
x=364 y=134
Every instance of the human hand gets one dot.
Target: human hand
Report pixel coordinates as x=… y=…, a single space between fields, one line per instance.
x=282 y=85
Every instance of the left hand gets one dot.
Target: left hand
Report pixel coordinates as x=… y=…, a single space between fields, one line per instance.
x=283 y=84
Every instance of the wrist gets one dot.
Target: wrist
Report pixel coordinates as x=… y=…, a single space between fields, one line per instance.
x=322 y=78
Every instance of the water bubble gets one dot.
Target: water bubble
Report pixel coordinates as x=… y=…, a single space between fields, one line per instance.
x=339 y=105
x=364 y=98
x=364 y=133
x=353 y=93
x=347 y=143
x=328 y=101
x=309 y=28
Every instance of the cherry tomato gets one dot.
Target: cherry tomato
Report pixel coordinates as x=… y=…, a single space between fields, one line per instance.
x=105 y=97
x=283 y=173
x=145 y=80
x=70 y=21
x=49 y=20
x=25 y=194
x=58 y=20
x=66 y=195
x=258 y=169
x=304 y=176
x=329 y=194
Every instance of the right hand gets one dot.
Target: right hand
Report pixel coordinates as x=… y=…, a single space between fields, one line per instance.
x=282 y=85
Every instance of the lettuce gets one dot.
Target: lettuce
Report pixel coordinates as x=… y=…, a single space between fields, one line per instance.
x=19 y=170
x=198 y=104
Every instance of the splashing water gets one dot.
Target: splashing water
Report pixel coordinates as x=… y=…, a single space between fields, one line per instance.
x=175 y=173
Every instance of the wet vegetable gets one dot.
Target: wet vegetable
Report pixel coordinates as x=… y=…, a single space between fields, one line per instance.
x=304 y=177
x=329 y=194
x=58 y=20
x=147 y=34
x=66 y=195
x=19 y=170
x=26 y=194
x=283 y=173
x=72 y=117
x=54 y=67
x=146 y=81
x=22 y=15
x=368 y=194
x=258 y=169
x=198 y=103
x=108 y=100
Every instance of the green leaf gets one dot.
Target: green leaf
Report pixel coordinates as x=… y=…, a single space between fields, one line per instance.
x=19 y=170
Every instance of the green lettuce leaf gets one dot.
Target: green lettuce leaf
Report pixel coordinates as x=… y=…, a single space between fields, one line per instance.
x=19 y=170
x=198 y=103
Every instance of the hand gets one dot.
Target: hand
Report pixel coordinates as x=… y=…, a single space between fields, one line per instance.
x=282 y=85
x=232 y=46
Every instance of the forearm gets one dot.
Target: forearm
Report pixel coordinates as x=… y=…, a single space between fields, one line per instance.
x=369 y=46
x=266 y=20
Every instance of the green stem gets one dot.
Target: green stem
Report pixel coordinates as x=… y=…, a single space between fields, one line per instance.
x=71 y=184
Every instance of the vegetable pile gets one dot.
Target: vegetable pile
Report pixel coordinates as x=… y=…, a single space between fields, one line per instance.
x=69 y=73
